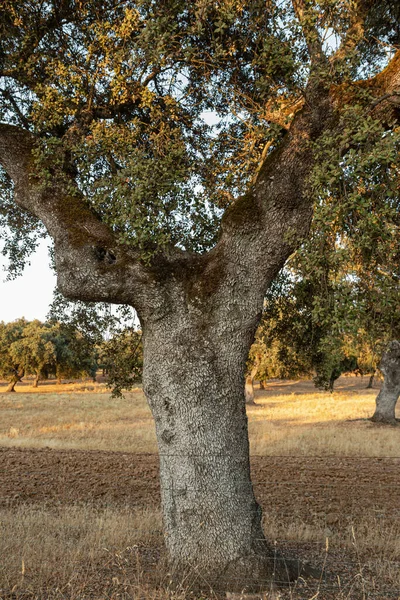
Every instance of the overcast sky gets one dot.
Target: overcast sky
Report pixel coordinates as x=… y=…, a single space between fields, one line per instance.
x=30 y=294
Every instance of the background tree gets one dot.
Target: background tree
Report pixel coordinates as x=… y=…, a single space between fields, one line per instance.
x=388 y=396
x=104 y=138
x=34 y=351
x=74 y=353
x=11 y=367
x=122 y=358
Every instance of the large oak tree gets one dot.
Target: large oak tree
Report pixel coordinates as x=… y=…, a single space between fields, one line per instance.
x=105 y=140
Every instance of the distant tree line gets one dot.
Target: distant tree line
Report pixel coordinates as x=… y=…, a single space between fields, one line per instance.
x=63 y=351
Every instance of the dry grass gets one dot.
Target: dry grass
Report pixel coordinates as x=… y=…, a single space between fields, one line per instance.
x=319 y=424
x=77 y=420
x=81 y=552
x=290 y=418
x=43 y=548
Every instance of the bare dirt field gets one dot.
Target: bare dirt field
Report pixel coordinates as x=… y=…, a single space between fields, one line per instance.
x=85 y=523
x=308 y=487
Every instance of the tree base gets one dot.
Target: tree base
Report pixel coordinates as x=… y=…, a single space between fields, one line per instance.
x=382 y=420
x=265 y=575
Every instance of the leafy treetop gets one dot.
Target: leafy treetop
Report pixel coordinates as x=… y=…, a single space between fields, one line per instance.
x=118 y=93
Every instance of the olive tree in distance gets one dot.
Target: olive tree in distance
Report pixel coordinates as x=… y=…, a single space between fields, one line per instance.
x=103 y=140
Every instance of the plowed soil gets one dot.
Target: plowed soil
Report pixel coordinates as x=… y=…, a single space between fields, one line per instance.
x=303 y=486
x=329 y=491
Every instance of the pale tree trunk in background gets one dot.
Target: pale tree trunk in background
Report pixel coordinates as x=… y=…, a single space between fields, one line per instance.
x=249 y=384
x=263 y=384
x=36 y=380
x=371 y=381
x=13 y=382
x=386 y=400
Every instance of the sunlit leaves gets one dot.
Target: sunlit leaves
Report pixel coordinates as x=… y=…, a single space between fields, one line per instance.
x=118 y=94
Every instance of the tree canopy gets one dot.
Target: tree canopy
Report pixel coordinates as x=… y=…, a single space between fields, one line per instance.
x=106 y=141
x=117 y=96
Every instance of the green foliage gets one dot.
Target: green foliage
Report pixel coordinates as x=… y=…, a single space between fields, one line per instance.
x=10 y=364
x=74 y=354
x=43 y=350
x=121 y=356
x=119 y=94
x=19 y=231
x=35 y=351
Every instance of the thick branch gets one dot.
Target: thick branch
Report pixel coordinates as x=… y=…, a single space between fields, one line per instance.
x=90 y=264
x=384 y=90
x=355 y=33
x=262 y=228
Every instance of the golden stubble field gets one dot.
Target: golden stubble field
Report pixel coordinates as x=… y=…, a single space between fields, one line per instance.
x=327 y=478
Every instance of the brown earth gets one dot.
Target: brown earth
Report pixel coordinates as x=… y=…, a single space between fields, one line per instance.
x=326 y=492
x=302 y=486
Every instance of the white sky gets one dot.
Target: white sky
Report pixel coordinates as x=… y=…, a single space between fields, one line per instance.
x=30 y=294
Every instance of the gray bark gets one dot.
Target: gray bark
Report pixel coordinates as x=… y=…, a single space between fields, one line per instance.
x=385 y=411
x=193 y=380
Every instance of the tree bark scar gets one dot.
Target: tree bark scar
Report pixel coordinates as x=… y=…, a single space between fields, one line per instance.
x=167 y=436
x=105 y=255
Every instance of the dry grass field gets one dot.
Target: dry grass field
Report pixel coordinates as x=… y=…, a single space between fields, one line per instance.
x=290 y=418
x=79 y=504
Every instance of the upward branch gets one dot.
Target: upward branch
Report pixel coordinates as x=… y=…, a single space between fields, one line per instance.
x=262 y=228
x=308 y=18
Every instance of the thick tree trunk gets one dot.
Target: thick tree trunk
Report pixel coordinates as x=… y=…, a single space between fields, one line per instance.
x=36 y=380
x=387 y=398
x=213 y=531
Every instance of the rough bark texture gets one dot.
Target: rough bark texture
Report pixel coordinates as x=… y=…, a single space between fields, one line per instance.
x=193 y=380
x=386 y=400
x=199 y=314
